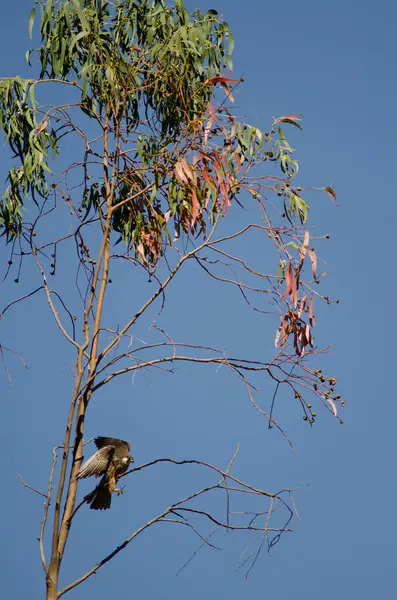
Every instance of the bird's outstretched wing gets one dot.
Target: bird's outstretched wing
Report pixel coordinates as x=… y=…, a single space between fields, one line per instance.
x=98 y=463
x=122 y=448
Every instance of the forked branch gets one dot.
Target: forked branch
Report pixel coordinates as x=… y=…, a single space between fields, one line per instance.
x=181 y=512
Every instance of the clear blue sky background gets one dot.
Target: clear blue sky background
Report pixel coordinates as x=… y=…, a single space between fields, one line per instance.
x=334 y=62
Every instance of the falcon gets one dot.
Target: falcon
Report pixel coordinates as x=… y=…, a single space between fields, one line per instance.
x=111 y=460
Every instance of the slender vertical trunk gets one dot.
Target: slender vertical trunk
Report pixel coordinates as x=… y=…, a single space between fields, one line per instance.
x=62 y=526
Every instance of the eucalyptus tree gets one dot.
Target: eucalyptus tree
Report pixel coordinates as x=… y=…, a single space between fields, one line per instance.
x=160 y=159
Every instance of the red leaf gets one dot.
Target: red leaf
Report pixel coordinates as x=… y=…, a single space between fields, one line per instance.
x=184 y=172
x=43 y=125
x=217 y=158
x=331 y=193
x=332 y=403
x=189 y=171
x=209 y=179
x=195 y=207
x=211 y=109
x=288 y=282
x=303 y=248
x=179 y=172
x=217 y=165
x=292 y=119
x=238 y=159
x=296 y=346
x=277 y=338
x=308 y=335
x=313 y=258
x=228 y=93
x=302 y=306
x=225 y=195
x=141 y=253
x=294 y=294
x=285 y=331
x=311 y=315
x=208 y=128
x=221 y=79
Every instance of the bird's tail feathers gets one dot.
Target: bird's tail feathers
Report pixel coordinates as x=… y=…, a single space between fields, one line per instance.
x=100 y=498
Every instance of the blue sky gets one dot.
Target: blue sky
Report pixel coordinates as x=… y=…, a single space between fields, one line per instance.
x=334 y=62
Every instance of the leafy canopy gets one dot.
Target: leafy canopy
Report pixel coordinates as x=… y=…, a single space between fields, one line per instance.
x=146 y=76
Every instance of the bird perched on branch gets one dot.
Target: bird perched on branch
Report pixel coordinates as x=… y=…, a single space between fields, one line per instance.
x=111 y=460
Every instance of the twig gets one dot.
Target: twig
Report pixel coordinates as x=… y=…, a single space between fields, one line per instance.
x=31 y=488
x=46 y=507
x=225 y=480
x=204 y=543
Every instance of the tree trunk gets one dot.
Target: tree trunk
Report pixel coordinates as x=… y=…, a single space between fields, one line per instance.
x=52 y=581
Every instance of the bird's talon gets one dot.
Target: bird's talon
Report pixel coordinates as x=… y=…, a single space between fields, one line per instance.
x=119 y=491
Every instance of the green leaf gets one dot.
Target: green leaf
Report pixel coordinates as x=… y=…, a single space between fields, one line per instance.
x=49 y=8
x=83 y=20
x=110 y=75
x=230 y=39
x=31 y=21
x=32 y=98
x=284 y=140
x=293 y=245
x=298 y=206
x=75 y=39
x=229 y=62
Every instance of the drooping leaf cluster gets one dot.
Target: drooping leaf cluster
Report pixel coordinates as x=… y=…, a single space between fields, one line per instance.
x=132 y=61
x=29 y=140
x=145 y=74
x=139 y=55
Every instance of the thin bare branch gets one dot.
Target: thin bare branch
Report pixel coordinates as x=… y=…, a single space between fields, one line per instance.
x=109 y=557
x=230 y=362
x=204 y=543
x=31 y=487
x=224 y=474
x=46 y=507
x=18 y=300
x=159 y=291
